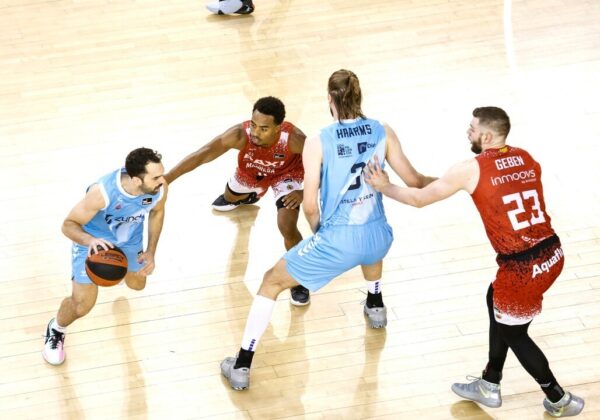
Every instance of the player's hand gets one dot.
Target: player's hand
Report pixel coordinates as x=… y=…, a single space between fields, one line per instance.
x=375 y=176
x=96 y=244
x=146 y=258
x=293 y=199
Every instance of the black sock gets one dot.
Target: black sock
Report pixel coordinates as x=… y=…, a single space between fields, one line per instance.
x=244 y=359
x=491 y=375
x=553 y=391
x=374 y=300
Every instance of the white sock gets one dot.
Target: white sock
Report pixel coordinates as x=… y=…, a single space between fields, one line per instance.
x=374 y=286
x=257 y=322
x=55 y=326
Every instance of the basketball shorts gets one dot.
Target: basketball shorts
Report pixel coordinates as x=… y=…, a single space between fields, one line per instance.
x=523 y=278
x=280 y=186
x=79 y=253
x=333 y=250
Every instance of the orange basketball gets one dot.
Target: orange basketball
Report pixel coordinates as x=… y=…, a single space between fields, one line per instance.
x=106 y=267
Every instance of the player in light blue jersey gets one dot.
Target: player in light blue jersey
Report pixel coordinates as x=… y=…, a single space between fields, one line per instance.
x=347 y=217
x=112 y=213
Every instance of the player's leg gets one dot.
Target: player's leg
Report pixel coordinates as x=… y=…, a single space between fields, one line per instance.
x=230 y=7
x=135 y=281
x=374 y=243
x=314 y=262
x=486 y=390
x=531 y=285
x=237 y=369
x=513 y=300
x=82 y=300
x=374 y=309
x=237 y=193
x=287 y=222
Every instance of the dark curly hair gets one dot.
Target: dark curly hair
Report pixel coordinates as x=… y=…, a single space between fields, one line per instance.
x=137 y=159
x=269 y=105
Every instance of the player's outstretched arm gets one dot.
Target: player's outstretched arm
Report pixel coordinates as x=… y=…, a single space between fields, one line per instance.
x=400 y=164
x=233 y=138
x=458 y=177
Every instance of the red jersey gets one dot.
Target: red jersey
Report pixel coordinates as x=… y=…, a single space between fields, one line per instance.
x=510 y=200
x=260 y=166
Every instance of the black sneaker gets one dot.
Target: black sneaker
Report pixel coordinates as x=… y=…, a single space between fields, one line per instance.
x=220 y=204
x=230 y=7
x=300 y=296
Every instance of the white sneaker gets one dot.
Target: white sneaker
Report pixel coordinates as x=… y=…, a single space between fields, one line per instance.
x=569 y=405
x=239 y=379
x=54 y=352
x=479 y=390
x=230 y=7
x=376 y=317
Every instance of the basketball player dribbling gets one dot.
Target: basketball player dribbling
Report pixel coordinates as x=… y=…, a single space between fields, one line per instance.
x=112 y=213
x=505 y=185
x=270 y=155
x=351 y=227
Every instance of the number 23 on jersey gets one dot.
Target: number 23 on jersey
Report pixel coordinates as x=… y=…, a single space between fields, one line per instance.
x=526 y=202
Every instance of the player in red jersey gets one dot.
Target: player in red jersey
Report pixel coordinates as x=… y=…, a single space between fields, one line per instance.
x=270 y=155
x=505 y=184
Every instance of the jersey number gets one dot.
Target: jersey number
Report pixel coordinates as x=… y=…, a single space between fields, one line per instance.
x=356 y=183
x=537 y=215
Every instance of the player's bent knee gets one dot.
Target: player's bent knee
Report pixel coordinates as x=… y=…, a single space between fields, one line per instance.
x=271 y=285
x=135 y=281
x=288 y=230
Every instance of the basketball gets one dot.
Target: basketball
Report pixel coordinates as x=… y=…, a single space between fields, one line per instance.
x=106 y=267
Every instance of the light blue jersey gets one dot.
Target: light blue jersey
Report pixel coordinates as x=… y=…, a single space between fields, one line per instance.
x=120 y=222
x=353 y=228
x=123 y=216
x=346 y=199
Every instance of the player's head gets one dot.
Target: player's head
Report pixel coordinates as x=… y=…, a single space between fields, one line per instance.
x=145 y=168
x=489 y=127
x=267 y=115
x=345 y=96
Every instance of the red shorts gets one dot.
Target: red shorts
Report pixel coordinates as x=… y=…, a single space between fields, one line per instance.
x=523 y=278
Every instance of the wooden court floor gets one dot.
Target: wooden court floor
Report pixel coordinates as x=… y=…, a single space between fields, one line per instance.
x=83 y=82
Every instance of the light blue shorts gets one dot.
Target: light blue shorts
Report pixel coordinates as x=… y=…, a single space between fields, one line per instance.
x=333 y=250
x=79 y=254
